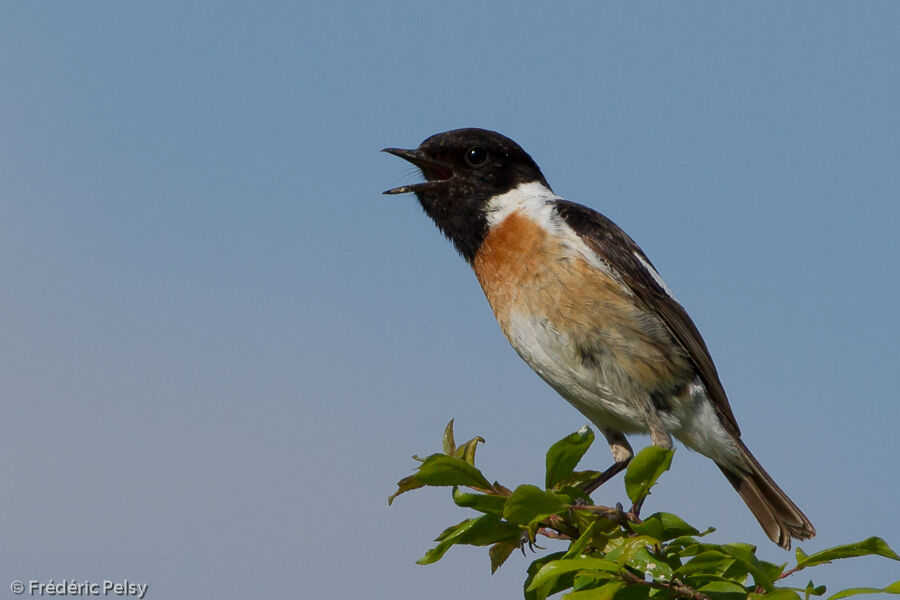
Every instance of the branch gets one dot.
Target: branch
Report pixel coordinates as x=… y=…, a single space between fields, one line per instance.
x=617 y=514
x=676 y=587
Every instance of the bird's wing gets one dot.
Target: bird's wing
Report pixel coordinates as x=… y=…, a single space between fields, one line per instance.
x=637 y=272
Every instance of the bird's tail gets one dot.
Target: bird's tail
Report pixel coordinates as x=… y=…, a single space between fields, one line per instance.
x=779 y=516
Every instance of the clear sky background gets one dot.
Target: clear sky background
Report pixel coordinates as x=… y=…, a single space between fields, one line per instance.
x=221 y=345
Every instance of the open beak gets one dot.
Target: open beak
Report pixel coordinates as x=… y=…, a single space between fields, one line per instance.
x=432 y=170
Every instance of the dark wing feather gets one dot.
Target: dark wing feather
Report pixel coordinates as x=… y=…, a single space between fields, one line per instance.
x=615 y=247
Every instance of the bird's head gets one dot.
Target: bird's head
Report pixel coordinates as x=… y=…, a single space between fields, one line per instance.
x=463 y=170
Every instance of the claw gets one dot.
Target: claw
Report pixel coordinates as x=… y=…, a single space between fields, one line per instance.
x=524 y=540
x=621 y=515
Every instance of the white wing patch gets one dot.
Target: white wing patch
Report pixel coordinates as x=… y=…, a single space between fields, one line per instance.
x=656 y=276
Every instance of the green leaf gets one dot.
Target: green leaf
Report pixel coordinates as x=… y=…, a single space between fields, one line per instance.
x=643 y=592
x=446 y=539
x=687 y=546
x=448 y=444
x=855 y=591
x=564 y=455
x=452 y=529
x=579 y=479
x=581 y=543
x=481 y=531
x=633 y=552
x=604 y=528
x=746 y=555
x=404 y=485
x=486 y=503
x=541 y=592
x=487 y=530
x=440 y=469
x=434 y=554
x=467 y=451
x=554 y=569
x=813 y=590
x=575 y=494
x=868 y=547
x=782 y=594
x=499 y=552
x=606 y=591
x=484 y=531
x=643 y=561
x=894 y=588
x=724 y=590
x=529 y=503
x=645 y=469
x=590 y=579
x=664 y=526
x=773 y=571
x=712 y=562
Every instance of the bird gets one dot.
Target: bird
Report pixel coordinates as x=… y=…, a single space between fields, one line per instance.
x=584 y=307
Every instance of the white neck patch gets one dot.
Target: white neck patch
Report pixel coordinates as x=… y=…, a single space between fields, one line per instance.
x=536 y=201
x=532 y=199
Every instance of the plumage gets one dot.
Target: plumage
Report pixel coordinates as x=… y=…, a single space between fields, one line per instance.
x=614 y=245
x=582 y=304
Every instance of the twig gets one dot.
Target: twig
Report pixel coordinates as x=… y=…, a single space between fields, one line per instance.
x=789 y=572
x=550 y=533
x=617 y=514
x=679 y=589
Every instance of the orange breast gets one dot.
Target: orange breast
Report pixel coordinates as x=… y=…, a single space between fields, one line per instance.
x=522 y=269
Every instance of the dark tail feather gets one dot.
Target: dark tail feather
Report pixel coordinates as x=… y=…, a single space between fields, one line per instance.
x=779 y=516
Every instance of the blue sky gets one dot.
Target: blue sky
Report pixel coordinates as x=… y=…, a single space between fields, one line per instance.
x=221 y=344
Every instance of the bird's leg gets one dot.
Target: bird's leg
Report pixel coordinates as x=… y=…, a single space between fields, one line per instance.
x=605 y=476
x=658 y=434
x=658 y=437
x=622 y=453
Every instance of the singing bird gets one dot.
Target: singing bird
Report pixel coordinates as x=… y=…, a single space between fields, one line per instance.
x=586 y=309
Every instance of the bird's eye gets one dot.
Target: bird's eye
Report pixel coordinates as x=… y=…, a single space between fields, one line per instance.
x=476 y=156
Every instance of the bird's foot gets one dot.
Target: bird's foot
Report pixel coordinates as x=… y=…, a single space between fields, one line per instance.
x=525 y=540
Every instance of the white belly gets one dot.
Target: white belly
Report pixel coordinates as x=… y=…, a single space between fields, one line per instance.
x=606 y=394
x=596 y=392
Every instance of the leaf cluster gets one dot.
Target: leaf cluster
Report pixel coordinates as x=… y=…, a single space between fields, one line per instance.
x=612 y=554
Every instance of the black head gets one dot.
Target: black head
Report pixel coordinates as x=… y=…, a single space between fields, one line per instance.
x=463 y=169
